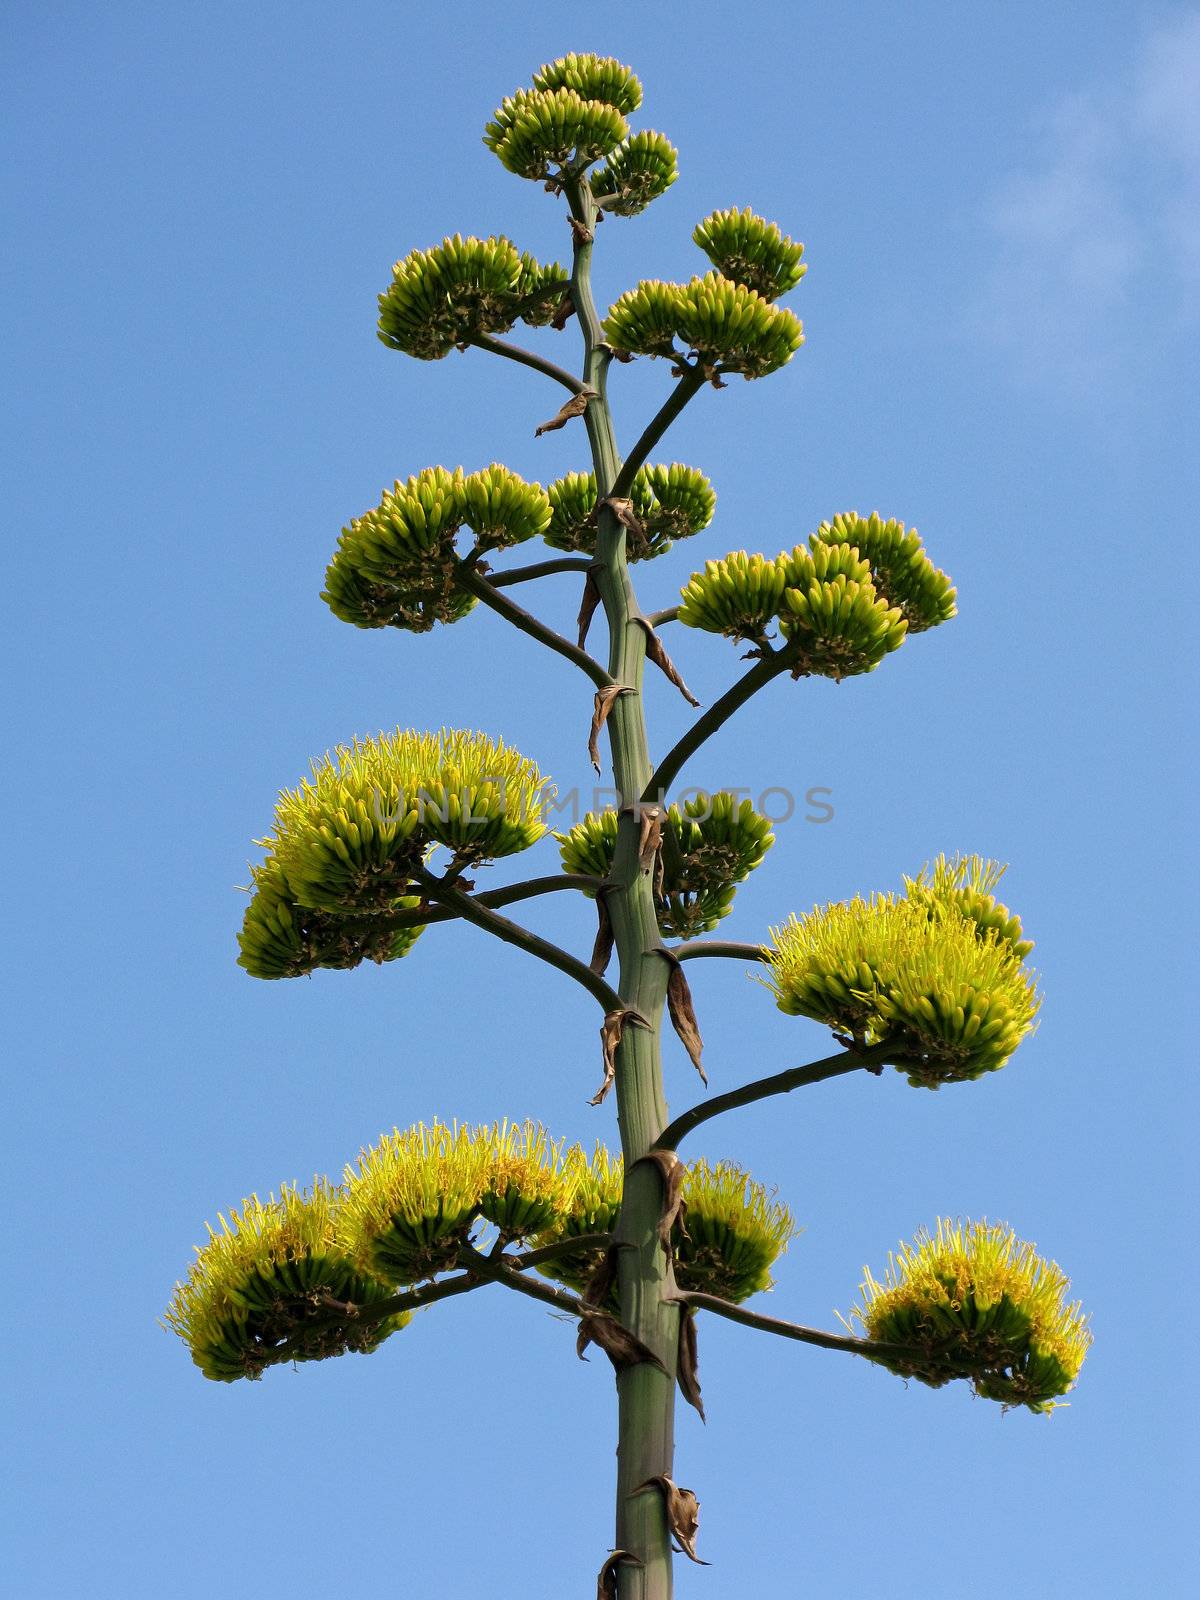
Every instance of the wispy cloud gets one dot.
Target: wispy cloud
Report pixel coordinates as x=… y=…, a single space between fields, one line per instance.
x=1098 y=240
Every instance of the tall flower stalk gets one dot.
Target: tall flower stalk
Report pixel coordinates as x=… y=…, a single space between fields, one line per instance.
x=388 y=837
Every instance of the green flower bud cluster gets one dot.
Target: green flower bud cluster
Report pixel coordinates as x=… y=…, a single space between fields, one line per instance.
x=751 y=251
x=933 y=973
x=282 y=939
x=711 y=844
x=965 y=884
x=535 y=131
x=594 y=77
x=397 y=566
x=444 y=297
x=263 y=1289
x=973 y=1301
x=729 y=327
x=840 y=610
x=732 y=1233
x=900 y=569
x=411 y=1202
x=671 y=503
x=348 y=841
x=640 y=169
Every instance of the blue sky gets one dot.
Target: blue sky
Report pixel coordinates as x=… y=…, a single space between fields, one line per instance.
x=1000 y=209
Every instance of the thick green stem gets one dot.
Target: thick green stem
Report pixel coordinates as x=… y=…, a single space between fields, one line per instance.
x=646 y=1393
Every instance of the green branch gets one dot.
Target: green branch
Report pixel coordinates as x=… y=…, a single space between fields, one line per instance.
x=871 y=1059
x=510 y=894
x=870 y=1348
x=539 y=569
x=688 y=384
x=656 y=619
x=527 y=358
x=471 y=910
x=668 y=769
x=497 y=1270
x=735 y=951
x=475 y=583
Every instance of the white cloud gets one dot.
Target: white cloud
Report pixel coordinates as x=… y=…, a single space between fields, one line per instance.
x=1098 y=240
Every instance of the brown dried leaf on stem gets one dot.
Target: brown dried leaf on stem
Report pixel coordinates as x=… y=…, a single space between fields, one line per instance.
x=656 y=653
x=628 y=518
x=605 y=700
x=587 y=606
x=603 y=948
x=683 y=1513
x=566 y=310
x=622 y=1348
x=606 y=1581
x=683 y=1016
x=674 y=1207
x=649 y=837
x=574 y=407
x=611 y=1030
x=686 y=1366
x=599 y=1285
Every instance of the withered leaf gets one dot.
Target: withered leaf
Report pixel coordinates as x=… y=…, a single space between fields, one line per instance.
x=611 y=1030
x=683 y=1513
x=574 y=407
x=581 y=231
x=623 y=1349
x=563 y=313
x=686 y=1365
x=597 y=1288
x=603 y=948
x=683 y=1018
x=606 y=1582
x=660 y=658
x=587 y=606
x=628 y=518
x=605 y=700
x=674 y=1208
x=649 y=837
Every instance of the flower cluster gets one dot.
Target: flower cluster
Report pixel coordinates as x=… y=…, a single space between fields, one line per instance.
x=711 y=844
x=669 y=503
x=842 y=602
x=751 y=251
x=276 y=1284
x=462 y=288
x=973 y=1301
x=729 y=327
x=348 y=842
x=398 y=565
x=937 y=973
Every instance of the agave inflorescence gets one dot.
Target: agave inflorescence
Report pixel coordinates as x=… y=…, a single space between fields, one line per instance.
x=536 y=131
x=730 y=328
x=724 y=1244
x=398 y=565
x=936 y=973
x=462 y=288
x=275 y=1284
x=840 y=608
x=282 y=939
x=352 y=837
x=752 y=251
x=734 y=1231
x=714 y=843
x=640 y=169
x=669 y=503
x=973 y=1301
x=412 y=1201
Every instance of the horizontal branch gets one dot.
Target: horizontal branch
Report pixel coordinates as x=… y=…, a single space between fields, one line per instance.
x=471 y=910
x=510 y=894
x=483 y=589
x=871 y=1058
x=539 y=569
x=497 y=1270
x=731 y=948
x=561 y=1247
x=761 y=673
x=656 y=619
x=371 y=1316
x=528 y=358
x=689 y=383
x=792 y=1330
